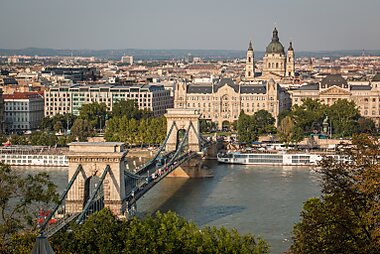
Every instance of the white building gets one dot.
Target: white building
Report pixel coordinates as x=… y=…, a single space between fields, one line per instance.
x=69 y=98
x=23 y=111
x=127 y=59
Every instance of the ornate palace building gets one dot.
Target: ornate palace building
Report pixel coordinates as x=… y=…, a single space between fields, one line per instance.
x=335 y=87
x=222 y=102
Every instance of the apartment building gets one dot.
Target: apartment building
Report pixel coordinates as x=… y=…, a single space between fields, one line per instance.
x=69 y=98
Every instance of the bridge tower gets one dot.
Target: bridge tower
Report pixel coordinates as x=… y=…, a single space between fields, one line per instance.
x=94 y=158
x=183 y=118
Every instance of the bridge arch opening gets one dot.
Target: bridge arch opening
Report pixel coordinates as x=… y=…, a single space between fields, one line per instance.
x=180 y=136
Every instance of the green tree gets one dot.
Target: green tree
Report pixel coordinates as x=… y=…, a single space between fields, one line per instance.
x=130 y=109
x=18 y=140
x=289 y=132
x=205 y=125
x=344 y=116
x=3 y=138
x=95 y=113
x=246 y=128
x=264 y=122
x=58 y=126
x=162 y=233
x=82 y=129
x=366 y=125
x=346 y=218
x=40 y=138
x=20 y=198
x=309 y=115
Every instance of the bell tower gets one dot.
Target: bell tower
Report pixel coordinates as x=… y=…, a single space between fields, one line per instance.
x=250 y=63
x=290 y=65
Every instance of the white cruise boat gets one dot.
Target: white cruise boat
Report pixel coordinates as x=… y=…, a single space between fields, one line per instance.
x=281 y=158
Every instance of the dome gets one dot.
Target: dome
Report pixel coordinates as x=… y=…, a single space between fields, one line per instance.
x=275 y=46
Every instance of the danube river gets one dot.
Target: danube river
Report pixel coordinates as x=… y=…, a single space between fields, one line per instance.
x=264 y=201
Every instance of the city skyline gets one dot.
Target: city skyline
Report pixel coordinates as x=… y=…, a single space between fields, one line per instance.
x=169 y=24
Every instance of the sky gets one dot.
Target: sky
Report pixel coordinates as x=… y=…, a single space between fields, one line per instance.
x=312 y=25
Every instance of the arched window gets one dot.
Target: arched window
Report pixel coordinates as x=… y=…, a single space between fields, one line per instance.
x=249 y=74
x=249 y=59
x=276 y=65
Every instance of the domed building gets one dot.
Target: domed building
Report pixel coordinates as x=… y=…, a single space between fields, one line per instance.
x=276 y=63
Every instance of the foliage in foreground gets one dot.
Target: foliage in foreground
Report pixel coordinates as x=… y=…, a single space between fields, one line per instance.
x=346 y=219
x=162 y=233
x=20 y=195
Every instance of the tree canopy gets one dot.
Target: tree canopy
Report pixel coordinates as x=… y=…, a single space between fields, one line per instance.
x=162 y=233
x=94 y=113
x=21 y=196
x=249 y=128
x=346 y=218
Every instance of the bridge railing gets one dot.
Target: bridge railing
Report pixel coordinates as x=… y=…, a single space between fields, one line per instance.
x=152 y=160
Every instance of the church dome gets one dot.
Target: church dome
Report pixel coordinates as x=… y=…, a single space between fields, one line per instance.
x=275 y=46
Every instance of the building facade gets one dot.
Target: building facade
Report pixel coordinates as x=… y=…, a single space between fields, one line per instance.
x=222 y=102
x=335 y=87
x=23 y=111
x=69 y=98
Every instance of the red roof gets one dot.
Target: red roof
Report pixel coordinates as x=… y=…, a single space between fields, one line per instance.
x=19 y=95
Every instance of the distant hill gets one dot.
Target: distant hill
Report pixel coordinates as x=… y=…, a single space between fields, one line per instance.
x=165 y=54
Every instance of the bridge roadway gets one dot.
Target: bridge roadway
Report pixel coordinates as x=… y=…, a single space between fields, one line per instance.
x=155 y=177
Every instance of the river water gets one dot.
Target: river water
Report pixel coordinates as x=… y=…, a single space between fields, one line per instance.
x=263 y=200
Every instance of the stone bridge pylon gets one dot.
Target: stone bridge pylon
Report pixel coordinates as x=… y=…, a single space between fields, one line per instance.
x=183 y=118
x=94 y=158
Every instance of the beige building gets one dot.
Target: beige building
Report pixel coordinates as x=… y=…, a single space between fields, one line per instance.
x=69 y=98
x=222 y=102
x=335 y=87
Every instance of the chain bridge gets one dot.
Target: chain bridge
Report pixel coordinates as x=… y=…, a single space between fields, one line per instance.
x=98 y=176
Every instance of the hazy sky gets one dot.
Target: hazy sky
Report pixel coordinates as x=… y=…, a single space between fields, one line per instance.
x=191 y=24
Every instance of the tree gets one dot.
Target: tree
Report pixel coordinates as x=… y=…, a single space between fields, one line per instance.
x=130 y=109
x=3 y=138
x=346 y=218
x=82 y=129
x=18 y=140
x=264 y=122
x=162 y=233
x=57 y=126
x=246 y=128
x=95 y=113
x=309 y=115
x=289 y=132
x=20 y=195
x=42 y=139
x=205 y=125
x=366 y=125
x=344 y=116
